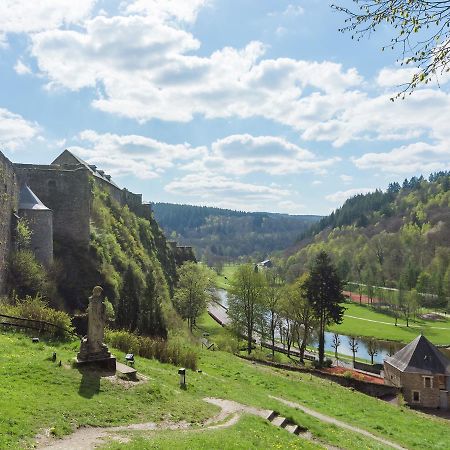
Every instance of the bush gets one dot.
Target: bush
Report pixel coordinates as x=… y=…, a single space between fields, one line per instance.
x=328 y=362
x=26 y=275
x=348 y=374
x=35 y=308
x=227 y=343
x=174 y=351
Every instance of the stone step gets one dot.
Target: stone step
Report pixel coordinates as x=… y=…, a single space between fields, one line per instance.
x=293 y=428
x=126 y=371
x=271 y=416
x=280 y=421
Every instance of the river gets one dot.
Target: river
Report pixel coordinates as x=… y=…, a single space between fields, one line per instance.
x=384 y=348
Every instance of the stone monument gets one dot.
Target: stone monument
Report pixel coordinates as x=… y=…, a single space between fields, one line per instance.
x=92 y=349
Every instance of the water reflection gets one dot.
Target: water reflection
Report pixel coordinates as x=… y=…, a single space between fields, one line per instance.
x=384 y=348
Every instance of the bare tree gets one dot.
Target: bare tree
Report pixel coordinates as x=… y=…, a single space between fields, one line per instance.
x=372 y=349
x=353 y=343
x=335 y=344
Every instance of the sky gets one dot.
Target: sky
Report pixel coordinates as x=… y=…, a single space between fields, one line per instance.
x=257 y=105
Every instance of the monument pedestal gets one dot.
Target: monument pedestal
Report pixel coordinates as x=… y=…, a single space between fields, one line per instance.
x=101 y=358
x=108 y=364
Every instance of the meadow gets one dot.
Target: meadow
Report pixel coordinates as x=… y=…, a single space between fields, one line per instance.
x=36 y=395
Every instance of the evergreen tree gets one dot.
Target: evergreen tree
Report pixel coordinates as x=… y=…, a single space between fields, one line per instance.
x=324 y=291
x=128 y=304
x=151 y=319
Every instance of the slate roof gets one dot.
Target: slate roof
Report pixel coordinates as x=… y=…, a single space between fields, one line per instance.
x=420 y=356
x=29 y=200
x=92 y=168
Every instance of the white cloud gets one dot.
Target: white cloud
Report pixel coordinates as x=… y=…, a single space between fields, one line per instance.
x=226 y=192
x=243 y=153
x=140 y=156
x=394 y=76
x=420 y=157
x=147 y=69
x=21 y=68
x=346 y=178
x=293 y=10
x=340 y=196
x=181 y=10
x=25 y=16
x=15 y=131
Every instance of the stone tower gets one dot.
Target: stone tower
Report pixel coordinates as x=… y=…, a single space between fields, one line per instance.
x=40 y=221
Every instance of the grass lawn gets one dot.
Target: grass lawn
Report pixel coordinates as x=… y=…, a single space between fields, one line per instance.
x=249 y=433
x=36 y=394
x=437 y=332
x=223 y=280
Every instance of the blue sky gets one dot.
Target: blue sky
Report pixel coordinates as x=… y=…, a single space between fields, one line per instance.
x=244 y=104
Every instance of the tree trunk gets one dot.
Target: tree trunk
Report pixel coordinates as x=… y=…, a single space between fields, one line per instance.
x=321 y=340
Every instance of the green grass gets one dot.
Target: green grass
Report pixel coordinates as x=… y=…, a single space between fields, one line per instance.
x=222 y=281
x=430 y=329
x=249 y=433
x=36 y=394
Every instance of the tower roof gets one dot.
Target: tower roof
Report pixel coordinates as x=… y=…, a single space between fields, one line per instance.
x=29 y=200
x=67 y=155
x=420 y=356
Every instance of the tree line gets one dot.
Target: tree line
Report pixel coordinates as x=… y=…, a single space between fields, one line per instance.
x=262 y=305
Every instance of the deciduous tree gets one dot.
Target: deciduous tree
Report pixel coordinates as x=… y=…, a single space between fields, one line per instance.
x=421 y=32
x=191 y=293
x=246 y=300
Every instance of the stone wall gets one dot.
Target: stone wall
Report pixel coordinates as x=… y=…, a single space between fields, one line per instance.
x=409 y=382
x=41 y=223
x=67 y=193
x=9 y=195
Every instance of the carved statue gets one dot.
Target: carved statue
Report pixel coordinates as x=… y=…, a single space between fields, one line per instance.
x=92 y=347
x=96 y=321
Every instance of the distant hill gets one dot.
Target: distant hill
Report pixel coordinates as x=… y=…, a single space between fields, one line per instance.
x=397 y=238
x=227 y=235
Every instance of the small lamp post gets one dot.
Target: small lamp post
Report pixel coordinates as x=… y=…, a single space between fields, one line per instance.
x=182 y=374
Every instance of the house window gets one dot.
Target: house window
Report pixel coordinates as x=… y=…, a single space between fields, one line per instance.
x=416 y=396
x=428 y=382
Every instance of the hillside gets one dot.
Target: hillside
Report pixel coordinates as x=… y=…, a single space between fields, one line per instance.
x=398 y=238
x=65 y=402
x=225 y=235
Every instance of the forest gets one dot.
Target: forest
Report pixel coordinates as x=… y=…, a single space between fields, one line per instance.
x=397 y=238
x=223 y=235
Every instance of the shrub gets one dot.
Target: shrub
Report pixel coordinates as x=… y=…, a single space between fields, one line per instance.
x=348 y=374
x=173 y=351
x=35 y=308
x=328 y=362
x=26 y=275
x=227 y=343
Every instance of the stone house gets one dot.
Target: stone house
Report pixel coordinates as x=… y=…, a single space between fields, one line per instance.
x=422 y=372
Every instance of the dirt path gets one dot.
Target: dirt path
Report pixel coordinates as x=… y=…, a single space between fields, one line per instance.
x=393 y=324
x=337 y=422
x=87 y=438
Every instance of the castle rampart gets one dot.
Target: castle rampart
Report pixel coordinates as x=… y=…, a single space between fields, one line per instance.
x=67 y=193
x=9 y=194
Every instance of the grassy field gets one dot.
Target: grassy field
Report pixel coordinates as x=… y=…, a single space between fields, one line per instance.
x=36 y=394
x=223 y=280
x=437 y=332
x=249 y=433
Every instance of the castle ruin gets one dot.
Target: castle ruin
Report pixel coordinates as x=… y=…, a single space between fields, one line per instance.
x=56 y=202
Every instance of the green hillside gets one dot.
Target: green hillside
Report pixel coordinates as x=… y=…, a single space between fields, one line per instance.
x=41 y=400
x=397 y=238
x=225 y=235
